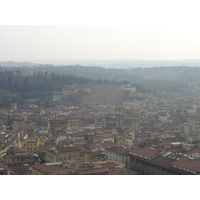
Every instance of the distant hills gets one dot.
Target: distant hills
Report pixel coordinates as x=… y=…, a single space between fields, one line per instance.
x=17 y=64
x=129 y=63
x=108 y=63
x=151 y=75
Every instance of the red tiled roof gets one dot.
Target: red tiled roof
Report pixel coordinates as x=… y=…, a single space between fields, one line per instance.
x=194 y=150
x=121 y=171
x=93 y=171
x=187 y=163
x=22 y=170
x=148 y=152
x=98 y=152
x=6 y=168
x=92 y=147
x=69 y=171
x=41 y=149
x=108 y=165
x=19 y=156
x=162 y=161
x=44 y=169
x=69 y=148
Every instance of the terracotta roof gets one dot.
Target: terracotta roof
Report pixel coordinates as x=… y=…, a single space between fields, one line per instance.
x=41 y=149
x=19 y=150
x=19 y=156
x=98 y=152
x=83 y=150
x=68 y=148
x=187 y=163
x=44 y=169
x=162 y=161
x=69 y=171
x=108 y=165
x=92 y=147
x=23 y=170
x=121 y=171
x=194 y=150
x=6 y=168
x=93 y=171
x=148 y=152
x=175 y=149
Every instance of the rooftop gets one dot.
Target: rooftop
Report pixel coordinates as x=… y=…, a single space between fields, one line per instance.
x=147 y=152
x=186 y=163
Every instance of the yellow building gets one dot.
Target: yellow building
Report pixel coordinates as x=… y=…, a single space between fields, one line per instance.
x=121 y=142
x=92 y=94
x=100 y=122
x=3 y=120
x=57 y=122
x=2 y=153
x=19 y=157
x=42 y=134
x=20 y=122
x=66 y=153
x=74 y=123
x=41 y=169
x=194 y=121
x=31 y=144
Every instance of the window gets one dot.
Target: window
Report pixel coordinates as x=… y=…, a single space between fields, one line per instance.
x=27 y=148
x=60 y=158
x=34 y=148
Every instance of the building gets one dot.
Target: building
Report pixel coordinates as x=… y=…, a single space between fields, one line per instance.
x=3 y=119
x=97 y=155
x=98 y=94
x=13 y=106
x=4 y=170
x=17 y=157
x=53 y=169
x=31 y=144
x=81 y=168
x=57 y=122
x=74 y=123
x=64 y=153
x=8 y=138
x=170 y=161
x=19 y=122
x=42 y=133
x=118 y=154
x=194 y=121
x=2 y=152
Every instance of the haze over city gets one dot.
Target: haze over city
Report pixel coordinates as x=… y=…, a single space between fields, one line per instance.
x=100 y=88
x=83 y=42
x=140 y=30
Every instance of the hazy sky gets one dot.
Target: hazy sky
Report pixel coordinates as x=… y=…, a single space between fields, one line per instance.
x=153 y=30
